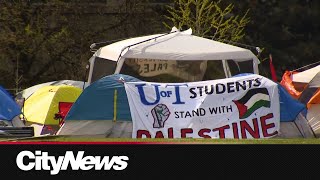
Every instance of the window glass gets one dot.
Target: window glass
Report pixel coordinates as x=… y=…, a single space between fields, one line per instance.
x=102 y=67
x=240 y=67
x=173 y=71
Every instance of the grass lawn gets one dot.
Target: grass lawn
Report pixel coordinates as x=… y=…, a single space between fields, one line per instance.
x=64 y=139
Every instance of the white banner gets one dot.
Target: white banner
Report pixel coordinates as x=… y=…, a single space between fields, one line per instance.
x=240 y=107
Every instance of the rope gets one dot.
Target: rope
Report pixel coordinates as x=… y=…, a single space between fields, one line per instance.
x=243 y=45
x=237 y=43
x=306 y=66
x=93 y=45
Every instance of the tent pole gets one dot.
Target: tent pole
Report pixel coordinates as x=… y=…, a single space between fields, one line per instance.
x=143 y=42
x=306 y=66
x=115 y=105
x=93 y=45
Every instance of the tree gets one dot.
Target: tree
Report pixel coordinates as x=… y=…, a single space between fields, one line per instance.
x=287 y=29
x=46 y=40
x=34 y=38
x=207 y=19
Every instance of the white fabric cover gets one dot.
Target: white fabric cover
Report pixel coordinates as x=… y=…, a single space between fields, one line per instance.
x=175 y=46
x=305 y=76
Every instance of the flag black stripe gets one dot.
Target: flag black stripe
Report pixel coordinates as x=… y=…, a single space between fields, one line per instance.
x=252 y=92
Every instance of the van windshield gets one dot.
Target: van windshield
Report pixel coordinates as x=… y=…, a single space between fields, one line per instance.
x=173 y=71
x=166 y=71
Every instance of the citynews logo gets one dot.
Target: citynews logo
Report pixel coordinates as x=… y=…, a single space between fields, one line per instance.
x=27 y=160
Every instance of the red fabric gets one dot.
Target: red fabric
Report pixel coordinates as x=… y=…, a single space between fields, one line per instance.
x=64 y=108
x=272 y=70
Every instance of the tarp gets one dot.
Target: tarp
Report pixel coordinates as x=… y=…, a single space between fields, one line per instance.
x=43 y=105
x=8 y=107
x=287 y=83
x=104 y=99
x=296 y=81
x=175 y=46
x=289 y=106
x=6 y=92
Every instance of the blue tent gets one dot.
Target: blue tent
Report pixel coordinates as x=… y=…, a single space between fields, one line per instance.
x=105 y=99
x=8 y=107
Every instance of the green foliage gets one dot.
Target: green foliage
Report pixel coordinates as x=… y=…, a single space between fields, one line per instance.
x=34 y=38
x=208 y=19
x=287 y=29
x=49 y=40
x=42 y=40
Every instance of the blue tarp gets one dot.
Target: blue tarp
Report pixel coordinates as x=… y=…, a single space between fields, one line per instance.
x=8 y=106
x=99 y=102
x=289 y=107
x=6 y=92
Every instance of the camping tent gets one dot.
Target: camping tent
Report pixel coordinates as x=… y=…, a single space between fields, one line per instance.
x=100 y=106
x=310 y=96
x=296 y=81
x=179 y=54
x=304 y=86
x=10 y=111
x=305 y=76
x=8 y=107
x=43 y=109
x=106 y=92
x=26 y=93
x=102 y=110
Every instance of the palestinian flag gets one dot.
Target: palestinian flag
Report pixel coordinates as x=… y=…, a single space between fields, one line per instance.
x=253 y=100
